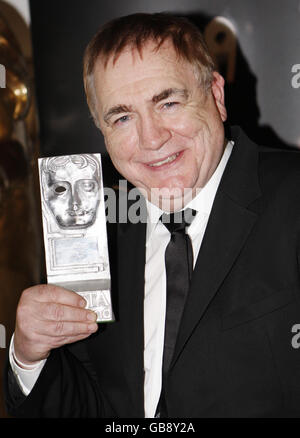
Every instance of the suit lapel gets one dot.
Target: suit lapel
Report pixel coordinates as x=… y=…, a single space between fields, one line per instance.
x=229 y=226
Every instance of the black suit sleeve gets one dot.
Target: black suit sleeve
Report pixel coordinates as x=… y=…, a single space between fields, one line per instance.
x=66 y=388
x=16 y=396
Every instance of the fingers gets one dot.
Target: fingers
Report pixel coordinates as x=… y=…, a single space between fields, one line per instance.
x=49 y=293
x=48 y=317
x=56 y=319
x=63 y=329
x=62 y=312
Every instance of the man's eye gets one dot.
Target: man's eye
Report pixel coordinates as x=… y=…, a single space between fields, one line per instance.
x=169 y=105
x=121 y=120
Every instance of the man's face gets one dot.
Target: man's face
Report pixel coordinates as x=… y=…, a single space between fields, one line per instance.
x=160 y=127
x=73 y=196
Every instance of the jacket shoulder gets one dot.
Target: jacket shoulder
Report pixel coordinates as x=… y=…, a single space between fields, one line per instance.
x=279 y=165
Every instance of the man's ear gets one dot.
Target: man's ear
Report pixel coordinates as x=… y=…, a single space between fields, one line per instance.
x=218 y=93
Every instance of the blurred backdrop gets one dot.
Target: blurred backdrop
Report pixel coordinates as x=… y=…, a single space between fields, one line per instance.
x=255 y=45
x=20 y=230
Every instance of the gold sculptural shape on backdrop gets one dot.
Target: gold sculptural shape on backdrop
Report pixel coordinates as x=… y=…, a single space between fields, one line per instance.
x=15 y=99
x=20 y=227
x=220 y=37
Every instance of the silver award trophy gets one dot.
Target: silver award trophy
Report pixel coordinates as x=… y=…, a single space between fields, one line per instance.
x=74 y=227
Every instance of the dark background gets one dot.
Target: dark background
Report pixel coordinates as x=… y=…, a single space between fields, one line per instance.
x=261 y=99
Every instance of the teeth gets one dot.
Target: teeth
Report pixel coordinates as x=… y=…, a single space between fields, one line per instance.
x=167 y=160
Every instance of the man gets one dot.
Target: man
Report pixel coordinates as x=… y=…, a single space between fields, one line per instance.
x=153 y=93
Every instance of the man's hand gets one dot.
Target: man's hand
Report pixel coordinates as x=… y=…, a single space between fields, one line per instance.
x=48 y=317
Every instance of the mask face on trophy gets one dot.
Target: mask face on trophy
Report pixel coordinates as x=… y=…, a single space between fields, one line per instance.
x=72 y=191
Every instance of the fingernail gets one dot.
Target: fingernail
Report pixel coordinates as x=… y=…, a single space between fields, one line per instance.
x=93 y=327
x=91 y=316
x=83 y=303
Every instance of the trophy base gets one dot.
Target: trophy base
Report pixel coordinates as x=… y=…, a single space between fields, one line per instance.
x=99 y=302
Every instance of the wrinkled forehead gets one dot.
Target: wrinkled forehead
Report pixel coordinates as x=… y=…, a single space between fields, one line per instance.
x=71 y=172
x=124 y=78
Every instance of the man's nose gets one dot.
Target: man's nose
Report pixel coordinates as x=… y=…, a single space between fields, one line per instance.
x=153 y=134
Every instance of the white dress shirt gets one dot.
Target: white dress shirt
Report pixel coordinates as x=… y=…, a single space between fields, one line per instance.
x=157 y=239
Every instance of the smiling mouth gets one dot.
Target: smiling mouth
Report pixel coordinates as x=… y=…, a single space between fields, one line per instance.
x=167 y=160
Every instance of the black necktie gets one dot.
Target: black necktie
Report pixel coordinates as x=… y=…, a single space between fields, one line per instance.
x=179 y=268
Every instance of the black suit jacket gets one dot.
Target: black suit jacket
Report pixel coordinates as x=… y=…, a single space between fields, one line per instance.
x=234 y=355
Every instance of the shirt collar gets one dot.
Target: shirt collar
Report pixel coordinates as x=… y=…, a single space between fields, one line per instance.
x=203 y=200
